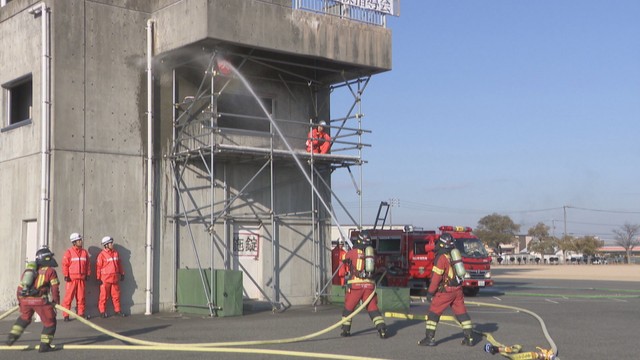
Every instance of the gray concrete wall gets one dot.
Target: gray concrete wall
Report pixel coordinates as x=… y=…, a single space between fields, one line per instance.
x=20 y=146
x=273 y=26
x=99 y=136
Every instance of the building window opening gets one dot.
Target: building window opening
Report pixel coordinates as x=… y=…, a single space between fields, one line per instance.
x=19 y=100
x=243 y=112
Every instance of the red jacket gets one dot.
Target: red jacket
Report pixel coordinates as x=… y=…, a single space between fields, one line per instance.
x=46 y=281
x=108 y=268
x=355 y=268
x=319 y=141
x=442 y=273
x=75 y=263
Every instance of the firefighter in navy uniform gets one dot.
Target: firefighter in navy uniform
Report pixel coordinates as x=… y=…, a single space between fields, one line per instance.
x=445 y=290
x=33 y=296
x=360 y=285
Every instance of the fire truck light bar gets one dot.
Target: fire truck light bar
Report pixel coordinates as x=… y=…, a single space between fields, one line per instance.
x=455 y=228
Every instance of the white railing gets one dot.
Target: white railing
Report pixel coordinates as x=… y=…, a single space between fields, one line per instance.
x=367 y=11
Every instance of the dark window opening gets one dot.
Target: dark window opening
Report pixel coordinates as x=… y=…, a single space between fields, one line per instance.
x=419 y=247
x=244 y=112
x=387 y=245
x=19 y=100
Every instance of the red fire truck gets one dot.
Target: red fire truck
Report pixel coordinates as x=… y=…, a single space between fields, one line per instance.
x=408 y=254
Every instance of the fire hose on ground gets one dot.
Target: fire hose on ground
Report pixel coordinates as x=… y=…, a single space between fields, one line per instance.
x=228 y=347
x=513 y=352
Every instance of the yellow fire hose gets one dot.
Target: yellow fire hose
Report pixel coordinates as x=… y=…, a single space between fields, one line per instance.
x=547 y=352
x=204 y=347
x=9 y=312
x=512 y=352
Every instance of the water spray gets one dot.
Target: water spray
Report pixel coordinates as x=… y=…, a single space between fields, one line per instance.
x=225 y=66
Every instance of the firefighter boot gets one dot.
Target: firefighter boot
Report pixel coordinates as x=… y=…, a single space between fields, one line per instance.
x=346 y=331
x=45 y=347
x=11 y=339
x=468 y=337
x=382 y=330
x=429 y=339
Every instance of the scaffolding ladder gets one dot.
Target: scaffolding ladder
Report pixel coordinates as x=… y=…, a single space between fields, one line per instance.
x=383 y=205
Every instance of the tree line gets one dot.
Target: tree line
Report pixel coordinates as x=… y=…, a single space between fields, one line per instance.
x=496 y=230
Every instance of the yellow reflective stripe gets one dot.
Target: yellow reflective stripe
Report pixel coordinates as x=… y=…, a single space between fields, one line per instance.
x=466 y=324
x=360 y=261
x=437 y=270
x=46 y=339
x=39 y=281
x=357 y=280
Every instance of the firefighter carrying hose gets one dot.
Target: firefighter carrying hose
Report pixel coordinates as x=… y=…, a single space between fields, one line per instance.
x=358 y=268
x=445 y=290
x=38 y=281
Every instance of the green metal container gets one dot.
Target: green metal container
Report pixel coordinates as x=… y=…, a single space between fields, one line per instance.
x=337 y=294
x=393 y=299
x=192 y=295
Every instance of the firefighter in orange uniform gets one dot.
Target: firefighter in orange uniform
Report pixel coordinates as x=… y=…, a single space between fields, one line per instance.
x=33 y=296
x=445 y=290
x=109 y=274
x=319 y=141
x=360 y=285
x=76 y=270
x=338 y=254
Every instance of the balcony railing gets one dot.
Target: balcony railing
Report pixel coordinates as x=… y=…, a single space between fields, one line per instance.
x=372 y=12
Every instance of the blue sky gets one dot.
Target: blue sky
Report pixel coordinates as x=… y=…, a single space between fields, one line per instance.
x=523 y=108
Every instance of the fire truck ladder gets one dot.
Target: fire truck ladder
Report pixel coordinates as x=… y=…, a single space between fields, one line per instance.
x=385 y=205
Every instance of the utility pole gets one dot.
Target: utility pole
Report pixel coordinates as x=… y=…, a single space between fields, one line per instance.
x=393 y=202
x=564 y=208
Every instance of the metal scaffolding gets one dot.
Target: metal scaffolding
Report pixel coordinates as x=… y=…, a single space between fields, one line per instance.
x=211 y=136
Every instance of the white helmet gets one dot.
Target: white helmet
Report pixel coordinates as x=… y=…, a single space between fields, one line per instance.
x=106 y=240
x=322 y=123
x=75 y=237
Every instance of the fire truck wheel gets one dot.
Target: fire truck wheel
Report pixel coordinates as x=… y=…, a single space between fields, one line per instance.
x=470 y=291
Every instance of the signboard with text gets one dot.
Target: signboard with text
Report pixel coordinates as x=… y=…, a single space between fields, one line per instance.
x=383 y=6
x=246 y=243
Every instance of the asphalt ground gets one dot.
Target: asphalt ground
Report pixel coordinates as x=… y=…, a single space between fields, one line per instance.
x=586 y=320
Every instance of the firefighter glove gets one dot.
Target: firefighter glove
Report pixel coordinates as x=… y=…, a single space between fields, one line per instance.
x=346 y=261
x=99 y=281
x=429 y=297
x=66 y=278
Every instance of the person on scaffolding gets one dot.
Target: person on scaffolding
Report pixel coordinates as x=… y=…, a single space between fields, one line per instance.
x=445 y=290
x=318 y=141
x=358 y=269
x=38 y=282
